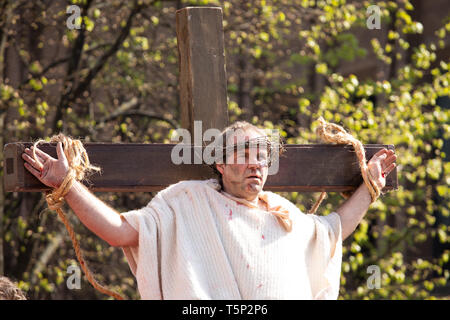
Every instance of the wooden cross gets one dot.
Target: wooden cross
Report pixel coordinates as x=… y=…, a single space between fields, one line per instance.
x=203 y=96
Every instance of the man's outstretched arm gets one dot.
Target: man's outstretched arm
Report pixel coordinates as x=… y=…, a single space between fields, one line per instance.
x=96 y=215
x=354 y=208
x=100 y=218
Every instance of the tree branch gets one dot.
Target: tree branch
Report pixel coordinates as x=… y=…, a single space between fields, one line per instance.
x=47 y=255
x=6 y=14
x=71 y=94
x=73 y=65
x=60 y=61
x=104 y=58
x=143 y=113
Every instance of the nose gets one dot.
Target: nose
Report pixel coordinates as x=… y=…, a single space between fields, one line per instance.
x=253 y=165
x=257 y=163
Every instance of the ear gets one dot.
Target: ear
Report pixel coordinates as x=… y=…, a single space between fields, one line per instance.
x=220 y=168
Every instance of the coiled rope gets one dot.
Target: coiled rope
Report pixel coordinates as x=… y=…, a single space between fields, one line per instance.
x=333 y=133
x=79 y=167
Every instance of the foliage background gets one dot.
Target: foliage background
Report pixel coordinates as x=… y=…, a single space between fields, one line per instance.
x=288 y=62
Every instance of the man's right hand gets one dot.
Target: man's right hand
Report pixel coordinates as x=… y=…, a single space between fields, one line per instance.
x=48 y=170
x=96 y=215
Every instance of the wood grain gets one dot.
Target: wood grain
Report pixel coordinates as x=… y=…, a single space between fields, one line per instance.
x=148 y=167
x=203 y=81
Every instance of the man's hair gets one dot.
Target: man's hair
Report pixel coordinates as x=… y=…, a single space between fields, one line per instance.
x=242 y=126
x=9 y=291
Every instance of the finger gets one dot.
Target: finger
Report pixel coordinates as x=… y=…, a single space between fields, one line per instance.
x=381 y=152
x=33 y=171
x=390 y=160
x=30 y=153
x=42 y=154
x=386 y=163
x=38 y=159
x=60 y=151
x=31 y=161
x=380 y=156
x=389 y=169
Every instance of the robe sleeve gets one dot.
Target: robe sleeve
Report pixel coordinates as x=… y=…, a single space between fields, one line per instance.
x=325 y=256
x=143 y=258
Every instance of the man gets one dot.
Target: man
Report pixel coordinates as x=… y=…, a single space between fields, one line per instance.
x=225 y=239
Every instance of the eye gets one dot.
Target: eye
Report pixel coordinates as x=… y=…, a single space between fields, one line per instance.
x=262 y=156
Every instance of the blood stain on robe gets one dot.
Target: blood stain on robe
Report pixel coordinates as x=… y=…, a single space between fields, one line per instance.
x=230 y=215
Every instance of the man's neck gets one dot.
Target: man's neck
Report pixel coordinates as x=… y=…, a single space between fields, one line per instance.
x=256 y=201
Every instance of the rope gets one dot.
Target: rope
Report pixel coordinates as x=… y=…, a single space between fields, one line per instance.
x=333 y=133
x=79 y=166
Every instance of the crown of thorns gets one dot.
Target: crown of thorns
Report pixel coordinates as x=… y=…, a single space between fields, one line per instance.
x=273 y=146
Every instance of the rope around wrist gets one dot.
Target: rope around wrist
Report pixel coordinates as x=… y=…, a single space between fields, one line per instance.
x=333 y=133
x=79 y=166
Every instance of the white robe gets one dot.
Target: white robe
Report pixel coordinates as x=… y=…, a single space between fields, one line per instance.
x=195 y=243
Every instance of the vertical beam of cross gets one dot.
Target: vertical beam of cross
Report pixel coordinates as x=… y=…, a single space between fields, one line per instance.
x=203 y=82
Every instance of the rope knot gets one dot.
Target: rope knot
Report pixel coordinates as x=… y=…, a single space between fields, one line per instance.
x=333 y=133
x=79 y=167
x=55 y=199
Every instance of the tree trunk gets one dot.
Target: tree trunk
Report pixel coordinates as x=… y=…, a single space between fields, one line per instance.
x=2 y=200
x=244 y=99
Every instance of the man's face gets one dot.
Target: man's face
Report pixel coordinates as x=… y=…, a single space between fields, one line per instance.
x=247 y=174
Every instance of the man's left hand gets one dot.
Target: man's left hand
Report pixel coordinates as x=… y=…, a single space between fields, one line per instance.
x=380 y=165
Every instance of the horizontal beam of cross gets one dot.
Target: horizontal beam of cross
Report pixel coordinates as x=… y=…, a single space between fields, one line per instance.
x=148 y=167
